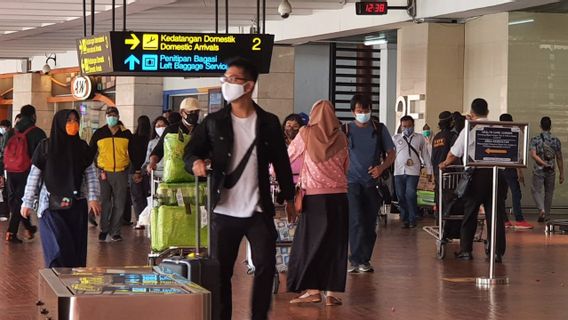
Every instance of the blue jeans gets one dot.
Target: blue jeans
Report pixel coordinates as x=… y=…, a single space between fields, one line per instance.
x=364 y=203
x=406 y=192
x=512 y=180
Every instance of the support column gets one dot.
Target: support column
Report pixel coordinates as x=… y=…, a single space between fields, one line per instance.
x=275 y=91
x=387 y=94
x=137 y=96
x=430 y=63
x=34 y=89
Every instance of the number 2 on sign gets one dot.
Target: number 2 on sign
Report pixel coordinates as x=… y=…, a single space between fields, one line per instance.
x=256 y=44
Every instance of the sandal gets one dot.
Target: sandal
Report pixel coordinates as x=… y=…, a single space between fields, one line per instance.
x=332 y=301
x=307 y=298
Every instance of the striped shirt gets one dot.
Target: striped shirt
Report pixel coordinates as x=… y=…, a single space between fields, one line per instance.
x=91 y=189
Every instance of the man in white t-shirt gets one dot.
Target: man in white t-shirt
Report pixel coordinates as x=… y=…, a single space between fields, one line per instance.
x=241 y=141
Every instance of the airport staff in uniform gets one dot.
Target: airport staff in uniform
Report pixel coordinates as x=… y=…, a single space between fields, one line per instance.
x=479 y=192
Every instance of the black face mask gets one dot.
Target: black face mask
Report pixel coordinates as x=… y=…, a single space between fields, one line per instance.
x=192 y=118
x=291 y=133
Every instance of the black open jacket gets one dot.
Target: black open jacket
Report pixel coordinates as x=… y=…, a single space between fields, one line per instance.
x=213 y=139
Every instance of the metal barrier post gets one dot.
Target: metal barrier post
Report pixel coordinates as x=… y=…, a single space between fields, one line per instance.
x=492 y=279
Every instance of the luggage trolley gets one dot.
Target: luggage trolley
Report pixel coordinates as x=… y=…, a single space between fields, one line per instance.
x=155 y=256
x=450 y=212
x=283 y=242
x=561 y=224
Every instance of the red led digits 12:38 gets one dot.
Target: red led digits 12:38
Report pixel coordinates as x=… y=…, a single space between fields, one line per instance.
x=371 y=8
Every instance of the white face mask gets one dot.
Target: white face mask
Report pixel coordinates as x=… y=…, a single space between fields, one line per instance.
x=160 y=131
x=2 y=131
x=232 y=91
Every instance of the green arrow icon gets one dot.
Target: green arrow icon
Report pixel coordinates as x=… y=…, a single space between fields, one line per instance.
x=133 y=42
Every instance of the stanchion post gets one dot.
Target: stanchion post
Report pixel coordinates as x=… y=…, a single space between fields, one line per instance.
x=492 y=279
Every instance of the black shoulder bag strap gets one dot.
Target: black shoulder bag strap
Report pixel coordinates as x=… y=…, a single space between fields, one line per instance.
x=412 y=148
x=232 y=178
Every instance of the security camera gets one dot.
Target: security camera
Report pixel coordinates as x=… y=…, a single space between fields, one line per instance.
x=46 y=69
x=284 y=9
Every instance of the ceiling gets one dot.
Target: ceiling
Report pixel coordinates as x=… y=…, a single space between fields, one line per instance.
x=37 y=27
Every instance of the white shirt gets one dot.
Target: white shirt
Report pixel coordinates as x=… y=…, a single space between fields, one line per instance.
x=404 y=153
x=243 y=200
x=458 y=149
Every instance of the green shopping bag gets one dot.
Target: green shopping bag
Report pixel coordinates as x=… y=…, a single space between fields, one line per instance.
x=174 y=226
x=174 y=167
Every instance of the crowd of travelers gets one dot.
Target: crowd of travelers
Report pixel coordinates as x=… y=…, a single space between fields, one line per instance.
x=333 y=167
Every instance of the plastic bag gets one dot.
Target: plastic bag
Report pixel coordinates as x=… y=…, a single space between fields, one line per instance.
x=174 y=226
x=144 y=218
x=174 y=167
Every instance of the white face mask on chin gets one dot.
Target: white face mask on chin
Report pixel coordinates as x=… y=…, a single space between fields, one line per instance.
x=232 y=91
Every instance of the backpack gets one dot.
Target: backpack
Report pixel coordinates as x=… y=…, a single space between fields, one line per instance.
x=377 y=128
x=548 y=153
x=378 y=131
x=16 y=156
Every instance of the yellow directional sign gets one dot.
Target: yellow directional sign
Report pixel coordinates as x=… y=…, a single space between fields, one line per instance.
x=133 y=41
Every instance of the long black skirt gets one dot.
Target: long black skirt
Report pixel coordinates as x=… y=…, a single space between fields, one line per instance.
x=318 y=259
x=64 y=236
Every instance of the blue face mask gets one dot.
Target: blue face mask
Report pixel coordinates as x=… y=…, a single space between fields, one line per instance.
x=363 y=117
x=408 y=131
x=112 y=121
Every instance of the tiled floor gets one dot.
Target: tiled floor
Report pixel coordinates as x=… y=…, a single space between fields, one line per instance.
x=409 y=282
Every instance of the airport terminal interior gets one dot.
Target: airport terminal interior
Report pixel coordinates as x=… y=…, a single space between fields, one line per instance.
x=411 y=58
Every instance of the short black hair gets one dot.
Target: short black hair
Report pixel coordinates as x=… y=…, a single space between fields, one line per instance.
x=174 y=118
x=506 y=117
x=294 y=117
x=364 y=100
x=28 y=111
x=545 y=123
x=479 y=107
x=407 y=118
x=6 y=123
x=249 y=69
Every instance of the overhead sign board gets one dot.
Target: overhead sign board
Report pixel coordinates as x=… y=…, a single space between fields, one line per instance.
x=491 y=143
x=371 y=7
x=171 y=54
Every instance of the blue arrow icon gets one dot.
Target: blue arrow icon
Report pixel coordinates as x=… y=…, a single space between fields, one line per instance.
x=131 y=61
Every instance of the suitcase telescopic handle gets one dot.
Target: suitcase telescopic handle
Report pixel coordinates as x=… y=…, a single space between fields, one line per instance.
x=198 y=215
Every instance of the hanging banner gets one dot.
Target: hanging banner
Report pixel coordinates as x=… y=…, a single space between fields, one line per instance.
x=170 y=54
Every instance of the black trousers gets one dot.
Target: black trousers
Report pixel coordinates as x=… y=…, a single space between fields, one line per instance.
x=17 y=185
x=226 y=235
x=480 y=192
x=139 y=193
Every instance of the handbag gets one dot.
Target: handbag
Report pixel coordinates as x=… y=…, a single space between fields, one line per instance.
x=463 y=184
x=59 y=203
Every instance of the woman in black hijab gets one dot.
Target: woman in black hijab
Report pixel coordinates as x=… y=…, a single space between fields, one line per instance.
x=64 y=178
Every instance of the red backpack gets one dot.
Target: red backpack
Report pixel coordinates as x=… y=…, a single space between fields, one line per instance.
x=16 y=157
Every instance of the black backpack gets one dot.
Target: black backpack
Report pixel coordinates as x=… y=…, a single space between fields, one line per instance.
x=378 y=128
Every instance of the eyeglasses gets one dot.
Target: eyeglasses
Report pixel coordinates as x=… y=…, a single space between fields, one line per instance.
x=232 y=79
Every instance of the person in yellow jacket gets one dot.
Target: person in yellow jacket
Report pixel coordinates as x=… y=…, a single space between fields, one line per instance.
x=111 y=144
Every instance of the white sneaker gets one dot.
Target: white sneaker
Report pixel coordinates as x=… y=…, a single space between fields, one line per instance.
x=367 y=267
x=353 y=268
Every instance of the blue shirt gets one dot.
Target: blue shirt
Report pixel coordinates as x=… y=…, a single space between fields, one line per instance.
x=364 y=152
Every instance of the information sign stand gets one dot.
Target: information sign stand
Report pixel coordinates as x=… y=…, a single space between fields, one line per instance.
x=495 y=145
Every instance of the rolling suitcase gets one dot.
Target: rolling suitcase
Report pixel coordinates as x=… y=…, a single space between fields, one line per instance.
x=202 y=270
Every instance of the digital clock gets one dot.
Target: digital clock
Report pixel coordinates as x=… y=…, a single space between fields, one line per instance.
x=371 y=8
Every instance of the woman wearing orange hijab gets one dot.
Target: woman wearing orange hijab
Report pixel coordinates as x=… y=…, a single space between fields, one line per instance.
x=318 y=259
